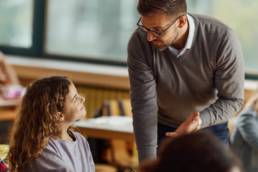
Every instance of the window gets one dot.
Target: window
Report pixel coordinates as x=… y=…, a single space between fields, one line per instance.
x=242 y=17
x=16 y=23
x=98 y=30
x=90 y=29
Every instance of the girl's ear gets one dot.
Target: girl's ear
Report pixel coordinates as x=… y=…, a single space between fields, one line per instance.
x=60 y=116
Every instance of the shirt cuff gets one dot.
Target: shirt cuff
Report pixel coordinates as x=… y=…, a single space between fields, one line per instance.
x=147 y=153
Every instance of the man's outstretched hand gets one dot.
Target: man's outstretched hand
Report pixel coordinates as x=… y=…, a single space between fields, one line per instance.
x=191 y=124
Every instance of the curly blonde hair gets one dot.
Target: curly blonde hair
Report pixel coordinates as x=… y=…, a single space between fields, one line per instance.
x=37 y=120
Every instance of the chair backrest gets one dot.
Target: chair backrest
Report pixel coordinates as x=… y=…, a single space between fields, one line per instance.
x=117 y=152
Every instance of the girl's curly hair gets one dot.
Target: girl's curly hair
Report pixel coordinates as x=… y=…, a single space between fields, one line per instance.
x=37 y=120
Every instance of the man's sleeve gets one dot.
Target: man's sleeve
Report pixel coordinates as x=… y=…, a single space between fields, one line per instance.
x=143 y=98
x=228 y=80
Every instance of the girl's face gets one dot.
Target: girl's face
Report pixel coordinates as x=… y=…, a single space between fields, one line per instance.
x=74 y=108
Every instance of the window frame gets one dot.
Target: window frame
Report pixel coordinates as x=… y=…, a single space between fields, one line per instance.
x=38 y=21
x=37 y=50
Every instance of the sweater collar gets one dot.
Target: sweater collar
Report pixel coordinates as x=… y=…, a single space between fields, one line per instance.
x=189 y=40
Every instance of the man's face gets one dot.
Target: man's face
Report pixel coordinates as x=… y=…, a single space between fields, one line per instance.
x=162 y=30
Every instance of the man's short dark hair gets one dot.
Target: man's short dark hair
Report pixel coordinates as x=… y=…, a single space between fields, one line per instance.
x=170 y=7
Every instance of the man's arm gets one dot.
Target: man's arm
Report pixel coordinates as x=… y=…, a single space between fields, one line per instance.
x=143 y=98
x=191 y=124
x=247 y=124
x=228 y=80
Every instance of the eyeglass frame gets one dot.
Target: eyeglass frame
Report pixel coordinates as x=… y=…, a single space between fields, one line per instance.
x=156 y=33
x=78 y=98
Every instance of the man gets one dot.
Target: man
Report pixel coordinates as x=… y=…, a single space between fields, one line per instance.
x=186 y=73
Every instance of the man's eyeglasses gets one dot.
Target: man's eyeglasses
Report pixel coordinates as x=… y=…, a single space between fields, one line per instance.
x=156 y=32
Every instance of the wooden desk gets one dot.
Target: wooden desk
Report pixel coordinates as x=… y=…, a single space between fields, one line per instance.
x=7 y=114
x=8 y=109
x=114 y=127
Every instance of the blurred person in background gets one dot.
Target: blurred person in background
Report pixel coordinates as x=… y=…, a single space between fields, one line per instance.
x=7 y=74
x=245 y=136
x=9 y=83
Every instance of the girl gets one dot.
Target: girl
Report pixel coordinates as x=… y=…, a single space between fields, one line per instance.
x=42 y=139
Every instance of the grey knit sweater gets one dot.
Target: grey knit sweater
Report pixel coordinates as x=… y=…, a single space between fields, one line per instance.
x=207 y=78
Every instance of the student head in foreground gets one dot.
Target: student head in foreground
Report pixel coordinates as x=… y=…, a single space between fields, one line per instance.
x=42 y=138
x=195 y=152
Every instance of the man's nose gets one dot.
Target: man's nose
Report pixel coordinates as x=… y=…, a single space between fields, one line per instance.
x=150 y=37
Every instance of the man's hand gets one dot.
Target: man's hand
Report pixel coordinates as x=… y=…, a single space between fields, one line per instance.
x=191 y=124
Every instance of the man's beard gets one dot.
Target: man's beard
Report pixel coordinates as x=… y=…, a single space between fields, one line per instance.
x=171 y=43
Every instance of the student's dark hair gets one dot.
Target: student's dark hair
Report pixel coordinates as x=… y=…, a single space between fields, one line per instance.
x=169 y=7
x=37 y=120
x=196 y=152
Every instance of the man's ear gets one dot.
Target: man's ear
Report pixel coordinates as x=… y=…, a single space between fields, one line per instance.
x=60 y=116
x=182 y=21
